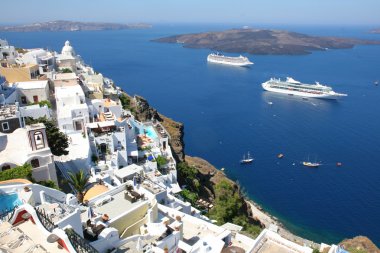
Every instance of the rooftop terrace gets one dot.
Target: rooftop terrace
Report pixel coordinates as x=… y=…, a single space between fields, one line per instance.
x=117 y=205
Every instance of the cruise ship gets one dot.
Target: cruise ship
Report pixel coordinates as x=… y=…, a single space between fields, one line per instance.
x=234 y=61
x=293 y=87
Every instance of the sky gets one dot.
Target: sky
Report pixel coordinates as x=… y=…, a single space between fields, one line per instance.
x=301 y=12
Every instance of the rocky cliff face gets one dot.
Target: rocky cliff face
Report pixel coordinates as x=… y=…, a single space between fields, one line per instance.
x=145 y=112
x=208 y=175
x=360 y=244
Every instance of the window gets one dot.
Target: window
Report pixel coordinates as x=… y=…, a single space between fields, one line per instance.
x=23 y=100
x=39 y=140
x=5 y=126
x=35 y=99
x=35 y=163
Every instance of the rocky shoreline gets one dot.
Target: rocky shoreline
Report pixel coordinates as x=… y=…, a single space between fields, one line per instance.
x=210 y=176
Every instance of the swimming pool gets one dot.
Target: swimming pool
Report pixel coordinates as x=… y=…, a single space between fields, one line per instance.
x=150 y=132
x=8 y=201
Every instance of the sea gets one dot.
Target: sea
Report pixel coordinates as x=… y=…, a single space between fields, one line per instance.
x=226 y=114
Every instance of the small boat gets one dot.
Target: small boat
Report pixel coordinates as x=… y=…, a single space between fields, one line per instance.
x=247 y=159
x=376 y=82
x=270 y=103
x=222 y=169
x=338 y=164
x=279 y=156
x=310 y=164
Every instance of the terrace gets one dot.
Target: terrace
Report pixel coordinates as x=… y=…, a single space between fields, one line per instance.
x=118 y=204
x=26 y=237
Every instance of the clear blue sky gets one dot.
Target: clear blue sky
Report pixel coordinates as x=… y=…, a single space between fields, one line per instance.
x=341 y=12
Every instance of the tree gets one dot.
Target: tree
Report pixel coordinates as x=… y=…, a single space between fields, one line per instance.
x=79 y=181
x=58 y=141
x=227 y=204
x=125 y=101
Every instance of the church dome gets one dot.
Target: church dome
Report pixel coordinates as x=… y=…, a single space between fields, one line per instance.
x=68 y=49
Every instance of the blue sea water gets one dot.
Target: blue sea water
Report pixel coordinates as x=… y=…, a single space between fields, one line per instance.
x=226 y=113
x=8 y=202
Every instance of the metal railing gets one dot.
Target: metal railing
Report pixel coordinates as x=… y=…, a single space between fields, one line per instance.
x=45 y=219
x=79 y=244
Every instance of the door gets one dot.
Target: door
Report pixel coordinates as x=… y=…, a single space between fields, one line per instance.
x=35 y=99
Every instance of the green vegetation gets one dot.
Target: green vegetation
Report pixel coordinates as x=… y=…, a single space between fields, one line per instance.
x=189 y=196
x=188 y=175
x=316 y=251
x=228 y=207
x=24 y=172
x=161 y=161
x=79 y=181
x=49 y=183
x=125 y=101
x=58 y=141
x=66 y=70
x=354 y=250
x=45 y=102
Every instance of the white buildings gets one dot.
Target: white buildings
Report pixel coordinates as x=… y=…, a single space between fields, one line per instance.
x=32 y=91
x=72 y=110
x=28 y=145
x=41 y=57
x=67 y=59
x=7 y=53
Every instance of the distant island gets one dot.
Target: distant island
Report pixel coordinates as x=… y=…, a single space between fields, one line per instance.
x=62 y=25
x=377 y=30
x=256 y=41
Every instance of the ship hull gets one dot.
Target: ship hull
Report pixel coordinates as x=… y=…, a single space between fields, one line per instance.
x=238 y=64
x=267 y=87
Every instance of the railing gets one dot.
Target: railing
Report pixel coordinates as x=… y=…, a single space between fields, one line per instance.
x=7 y=215
x=45 y=219
x=79 y=244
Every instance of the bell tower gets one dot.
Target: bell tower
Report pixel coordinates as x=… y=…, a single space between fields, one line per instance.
x=37 y=136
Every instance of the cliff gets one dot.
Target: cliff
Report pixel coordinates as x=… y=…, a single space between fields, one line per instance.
x=207 y=175
x=360 y=244
x=144 y=112
x=62 y=25
x=256 y=41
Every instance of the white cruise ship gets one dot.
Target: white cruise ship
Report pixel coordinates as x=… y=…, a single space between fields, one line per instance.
x=293 y=87
x=234 y=61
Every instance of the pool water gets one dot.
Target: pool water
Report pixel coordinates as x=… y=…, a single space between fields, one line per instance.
x=150 y=132
x=9 y=201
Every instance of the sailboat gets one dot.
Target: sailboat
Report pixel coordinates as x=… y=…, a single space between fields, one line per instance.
x=246 y=159
x=311 y=164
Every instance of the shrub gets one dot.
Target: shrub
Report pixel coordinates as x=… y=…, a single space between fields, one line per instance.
x=49 y=183
x=24 y=171
x=161 y=161
x=66 y=70
x=45 y=102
